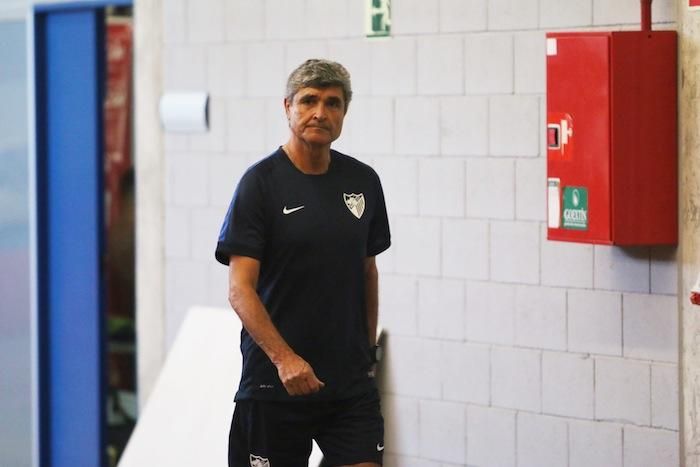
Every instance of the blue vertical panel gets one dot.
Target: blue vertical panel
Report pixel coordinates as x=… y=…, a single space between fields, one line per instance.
x=70 y=71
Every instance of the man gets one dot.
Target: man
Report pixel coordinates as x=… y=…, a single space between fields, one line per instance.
x=300 y=239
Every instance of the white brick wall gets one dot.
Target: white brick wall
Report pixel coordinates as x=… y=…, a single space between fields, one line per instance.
x=595 y=322
x=611 y=13
x=503 y=348
x=567 y=385
x=441 y=188
x=399 y=178
x=488 y=64
x=464 y=129
x=417 y=128
x=393 y=67
x=490 y=436
x=185 y=286
x=327 y=19
x=490 y=313
x=650 y=448
x=174 y=14
x=541 y=441
x=465 y=253
x=226 y=70
x=371 y=118
x=402 y=423
x=440 y=53
x=265 y=69
x=491 y=188
x=595 y=444
x=441 y=308
x=465 y=372
x=242 y=137
x=530 y=177
x=245 y=20
x=664 y=11
x=413 y=367
x=177 y=230
x=516 y=379
x=650 y=324
x=417 y=244
x=276 y=127
x=514 y=126
x=621 y=269
x=414 y=17
x=514 y=252
x=355 y=18
x=443 y=431
x=205 y=226
x=512 y=14
x=462 y=15
x=224 y=174
x=664 y=270
x=398 y=299
x=540 y=317
x=186 y=180
x=530 y=63
x=205 y=21
x=217 y=286
x=184 y=68
x=355 y=57
x=566 y=264
x=622 y=391
x=285 y=19
x=558 y=14
x=664 y=396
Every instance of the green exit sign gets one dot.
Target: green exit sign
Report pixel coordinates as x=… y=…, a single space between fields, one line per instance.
x=378 y=23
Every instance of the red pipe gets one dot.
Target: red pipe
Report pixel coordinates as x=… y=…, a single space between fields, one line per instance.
x=646 y=15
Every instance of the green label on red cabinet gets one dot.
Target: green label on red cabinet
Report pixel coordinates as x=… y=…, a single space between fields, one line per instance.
x=575 y=213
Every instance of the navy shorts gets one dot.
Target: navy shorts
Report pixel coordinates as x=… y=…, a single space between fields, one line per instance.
x=279 y=433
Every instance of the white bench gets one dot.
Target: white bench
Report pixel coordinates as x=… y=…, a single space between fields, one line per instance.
x=188 y=415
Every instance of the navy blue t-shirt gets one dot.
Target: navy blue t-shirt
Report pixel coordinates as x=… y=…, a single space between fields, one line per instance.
x=311 y=234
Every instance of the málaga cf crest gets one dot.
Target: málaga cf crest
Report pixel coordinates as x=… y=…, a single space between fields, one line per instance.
x=256 y=461
x=355 y=203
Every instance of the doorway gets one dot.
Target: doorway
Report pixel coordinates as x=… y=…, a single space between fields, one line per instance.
x=119 y=255
x=85 y=231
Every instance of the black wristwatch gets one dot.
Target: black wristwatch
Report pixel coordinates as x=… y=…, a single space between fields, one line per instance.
x=375 y=353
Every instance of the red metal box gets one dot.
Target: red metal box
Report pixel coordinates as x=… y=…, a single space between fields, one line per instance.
x=612 y=137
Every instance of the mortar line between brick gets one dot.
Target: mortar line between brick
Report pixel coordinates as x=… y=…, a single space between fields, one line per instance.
x=622 y=325
x=595 y=399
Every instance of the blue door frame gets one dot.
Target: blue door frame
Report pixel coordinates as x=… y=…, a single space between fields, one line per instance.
x=69 y=74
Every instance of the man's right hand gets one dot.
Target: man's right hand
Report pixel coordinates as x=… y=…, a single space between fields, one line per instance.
x=297 y=376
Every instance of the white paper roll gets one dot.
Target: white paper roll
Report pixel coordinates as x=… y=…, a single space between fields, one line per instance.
x=185 y=112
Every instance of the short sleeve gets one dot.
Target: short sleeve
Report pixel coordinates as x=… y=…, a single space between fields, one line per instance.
x=243 y=229
x=379 y=235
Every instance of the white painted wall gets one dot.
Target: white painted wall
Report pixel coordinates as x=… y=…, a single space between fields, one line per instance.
x=504 y=349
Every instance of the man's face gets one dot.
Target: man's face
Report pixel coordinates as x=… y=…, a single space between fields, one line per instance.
x=316 y=114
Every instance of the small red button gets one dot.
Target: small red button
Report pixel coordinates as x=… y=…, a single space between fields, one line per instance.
x=553 y=137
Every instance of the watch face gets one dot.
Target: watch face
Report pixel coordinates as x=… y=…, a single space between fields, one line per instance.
x=376 y=353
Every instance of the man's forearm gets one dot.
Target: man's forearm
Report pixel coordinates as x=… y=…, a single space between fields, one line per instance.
x=295 y=373
x=256 y=321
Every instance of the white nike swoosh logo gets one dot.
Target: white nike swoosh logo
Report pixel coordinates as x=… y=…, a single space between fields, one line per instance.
x=380 y=447
x=289 y=211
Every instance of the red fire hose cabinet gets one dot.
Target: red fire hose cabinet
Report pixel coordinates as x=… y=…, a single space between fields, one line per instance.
x=612 y=137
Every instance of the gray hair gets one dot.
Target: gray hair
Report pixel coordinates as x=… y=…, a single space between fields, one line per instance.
x=318 y=73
